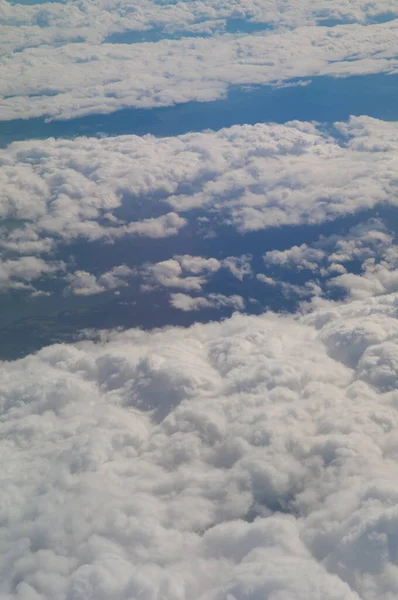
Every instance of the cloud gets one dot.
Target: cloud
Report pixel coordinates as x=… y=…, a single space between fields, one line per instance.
x=53 y=24
x=21 y=272
x=300 y=257
x=55 y=193
x=66 y=190
x=307 y=291
x=82 y=283
x=297 y=174
x=199 y=264
x=155 y=227
x=192 y=272
x=377 y=278
x=363 y=262
x=173 y=273
x=363 y=241
x=240 y=266
x=245 y=177
x=250 y=458
x=187 y=303
x=73 y=80
x=251 y=177
x=240 y=460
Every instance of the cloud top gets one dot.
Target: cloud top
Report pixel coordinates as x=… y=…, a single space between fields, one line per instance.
x=74 y=80
x=249 y=458
x=248 y=178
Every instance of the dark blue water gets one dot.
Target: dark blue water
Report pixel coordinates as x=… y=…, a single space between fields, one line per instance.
x=324 y=99
x=98 y=257
x=28 y=324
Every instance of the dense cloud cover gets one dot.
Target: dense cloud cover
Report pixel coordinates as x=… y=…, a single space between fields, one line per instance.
x=253 y=458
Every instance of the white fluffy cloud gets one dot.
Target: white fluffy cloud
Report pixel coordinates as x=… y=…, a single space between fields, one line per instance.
x=192 y=272
x=154 y=227
x=251 y=177
x=248 y=177
x=367 y=240
x=187 y=303
x=21 y=272
x=79 y=79
x=245 y=459
x=369 y=245
x=54 y=23
x=174 y=273
x=377 y=277
x=83 y=283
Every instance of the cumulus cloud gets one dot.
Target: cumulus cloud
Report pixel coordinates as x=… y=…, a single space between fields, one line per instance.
x=246 y=177
x=300 y=257
x=308 y=291
x=251 y=177
x=23 y=240
x=240 y=266
x=83 y=283
x=250 y=458
x=21 y=272
x=363 y=262
x=200 y=264
x=82 y=78
x=192 y=272
x=247 y=459
x=27 y=26
x=153 y=227
x=363 y=241
x=187 y=303
x=54 y=24
x=173 y=273
x=57 y=192
x=375 y=279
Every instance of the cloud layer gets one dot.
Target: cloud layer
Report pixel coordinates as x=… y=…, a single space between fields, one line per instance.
x=249 y=459
x=246 y=459
x=57 y=23
x=246 y=177
x=255 y=176
x=79 y=79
